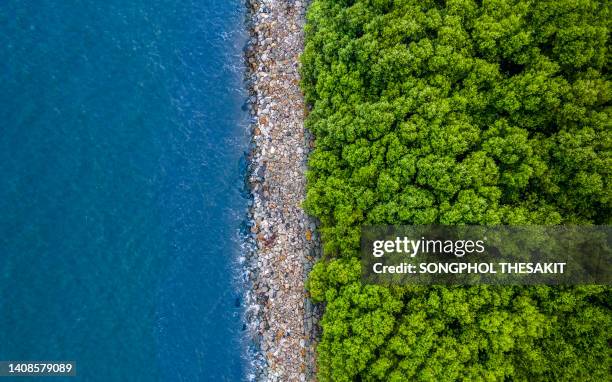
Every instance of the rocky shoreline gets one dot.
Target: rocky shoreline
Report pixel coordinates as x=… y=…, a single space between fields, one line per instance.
x=281 y=319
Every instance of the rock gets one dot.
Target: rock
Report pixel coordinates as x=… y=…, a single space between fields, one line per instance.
x=282 y=256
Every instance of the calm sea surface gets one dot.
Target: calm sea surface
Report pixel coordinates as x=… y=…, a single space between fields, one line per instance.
x=122 y=142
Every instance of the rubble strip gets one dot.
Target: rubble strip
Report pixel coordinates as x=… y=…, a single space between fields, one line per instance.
x=283 y=321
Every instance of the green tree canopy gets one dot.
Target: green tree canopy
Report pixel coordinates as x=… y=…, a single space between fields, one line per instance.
x=457 y=112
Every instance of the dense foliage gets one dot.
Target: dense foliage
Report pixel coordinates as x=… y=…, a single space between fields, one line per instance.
x=457 y=112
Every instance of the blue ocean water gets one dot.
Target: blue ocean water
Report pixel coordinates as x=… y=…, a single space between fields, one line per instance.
x=123 y=135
